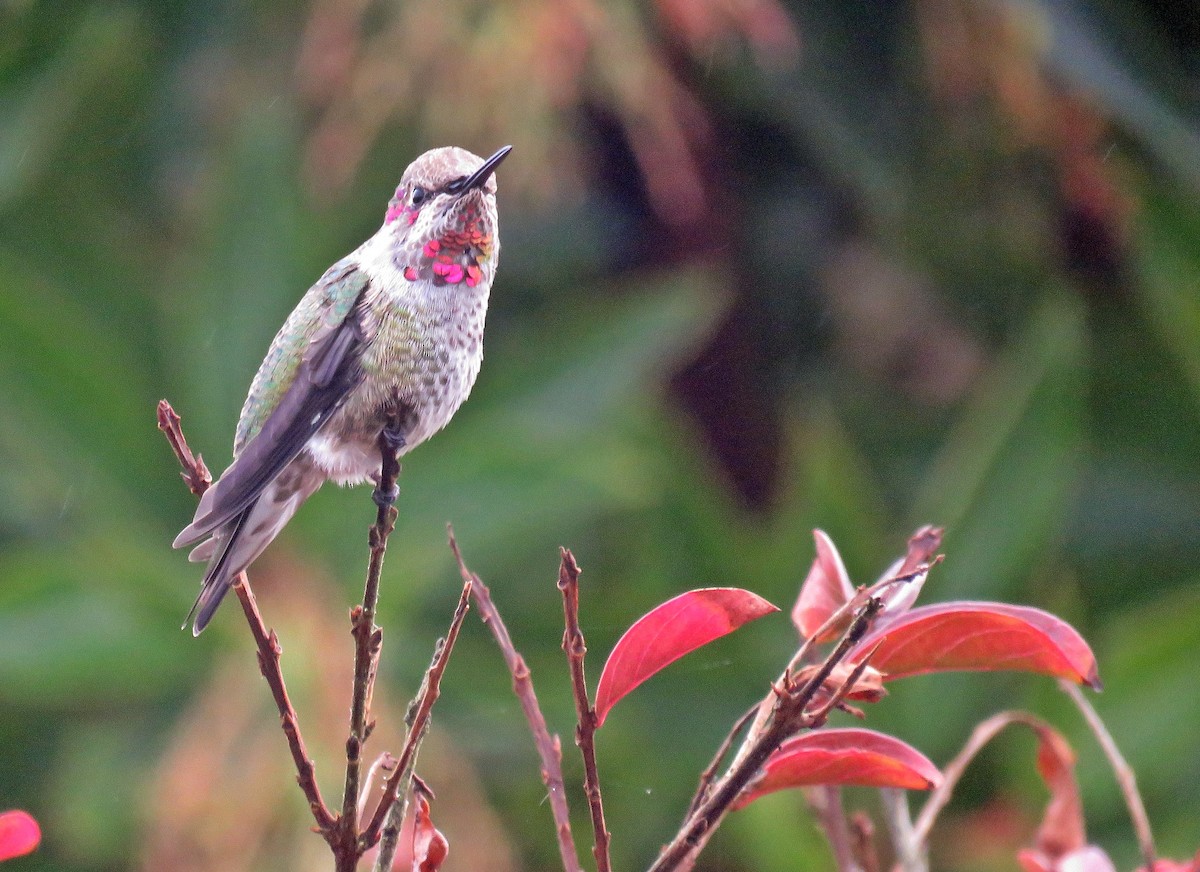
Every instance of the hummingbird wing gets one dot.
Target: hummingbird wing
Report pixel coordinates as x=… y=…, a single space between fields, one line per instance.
x=329 y=370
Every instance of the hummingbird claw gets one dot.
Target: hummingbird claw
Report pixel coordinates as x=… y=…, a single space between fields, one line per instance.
x=385 y=499
x=393 y=437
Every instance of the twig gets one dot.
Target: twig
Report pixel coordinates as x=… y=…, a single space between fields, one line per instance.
x=195 y=473
x=918 y=561
x=198 y=479
x=386 y=763
x=862 y=834
x=818 y=718
x=983 y=733
x=911 y=854
x=1126 y=779
x=710 y=772
x=395 y=792
x=787 y=711
x=861 y=596
x=851 y=605
x=269 y=665
x=548 y=747
x=585 y=731
x=837 y=829
x=368 y=640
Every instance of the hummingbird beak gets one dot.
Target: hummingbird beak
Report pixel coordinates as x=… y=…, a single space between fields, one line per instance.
x=479 y=178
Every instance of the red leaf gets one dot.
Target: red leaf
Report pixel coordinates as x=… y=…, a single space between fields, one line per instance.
x=1061 y=833
x=429 y=846
x=667 y=632
x=19 y=834
x=982 y=637
x=843 y=756
x=825 y=590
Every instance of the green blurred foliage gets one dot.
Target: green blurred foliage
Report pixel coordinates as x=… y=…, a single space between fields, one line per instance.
x=944 y=268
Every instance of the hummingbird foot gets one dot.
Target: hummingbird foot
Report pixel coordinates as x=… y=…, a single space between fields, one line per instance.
x=391 y=442
x=393 y=435
x=385 y=499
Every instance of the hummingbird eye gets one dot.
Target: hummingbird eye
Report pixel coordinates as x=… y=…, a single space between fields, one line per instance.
x=418 y=195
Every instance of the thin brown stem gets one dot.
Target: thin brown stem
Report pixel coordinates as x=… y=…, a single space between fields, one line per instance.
x=548 y=747
x=198 y=479
x=1126 y=778
x=269 y=665
x=367 y=642
x=710 y=772
x=368 y=639
x=195 y=473
x=385 y=823
x=911 y=854
x=827 y=800
x=983 y=733
x=862 y=835
x=585 y=730
x=850 y=606
x=918 y=546
x=766 y=708
x=385 y=763
x=818 y=718
x=918 y=560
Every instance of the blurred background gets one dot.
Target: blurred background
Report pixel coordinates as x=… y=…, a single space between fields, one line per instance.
x=767 y=265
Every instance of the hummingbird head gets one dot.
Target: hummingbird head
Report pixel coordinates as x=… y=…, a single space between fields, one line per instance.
x=443 y=216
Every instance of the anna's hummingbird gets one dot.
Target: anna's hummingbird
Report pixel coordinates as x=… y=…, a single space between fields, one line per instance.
x=395 y=327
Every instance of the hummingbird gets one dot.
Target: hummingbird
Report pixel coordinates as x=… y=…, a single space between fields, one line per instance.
x=393 y=332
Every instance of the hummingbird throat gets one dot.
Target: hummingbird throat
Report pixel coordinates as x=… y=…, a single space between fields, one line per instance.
x=455 y=257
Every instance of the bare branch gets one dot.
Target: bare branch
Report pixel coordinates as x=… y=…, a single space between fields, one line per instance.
x=710 y=772
x=269 y=665
x=983 y=733
x=395 y=791
x=818 y=718
x=585 y=730
x=548 y=747
x=195 y=473
x=1126 y=778
x=198 y=479
x=827 y=800
x=368 y=639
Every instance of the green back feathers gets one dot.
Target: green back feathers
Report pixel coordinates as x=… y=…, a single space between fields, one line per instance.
x=323 y=308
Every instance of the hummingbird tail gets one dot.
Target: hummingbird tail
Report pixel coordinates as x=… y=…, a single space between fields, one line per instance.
x=206 y=604
x=220 y=574
x=238 y=542
x=203 y=552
